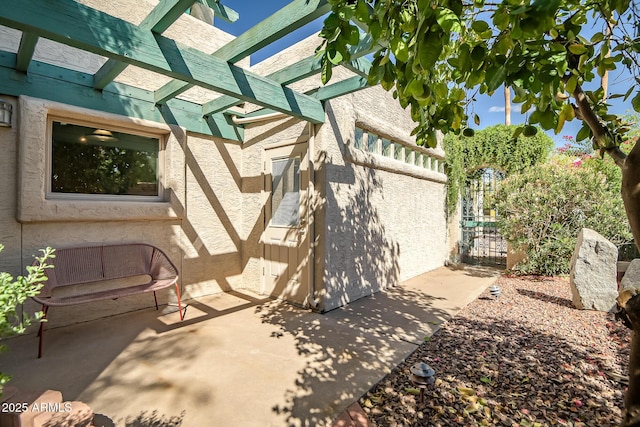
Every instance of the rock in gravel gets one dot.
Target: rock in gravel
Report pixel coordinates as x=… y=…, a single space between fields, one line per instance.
x=631 y=278
x=593 y=272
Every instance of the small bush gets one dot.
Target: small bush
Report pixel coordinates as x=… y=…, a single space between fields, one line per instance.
x=13 y=293
x=543 y=209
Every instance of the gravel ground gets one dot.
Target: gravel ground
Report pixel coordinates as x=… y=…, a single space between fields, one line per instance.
x=526 y=359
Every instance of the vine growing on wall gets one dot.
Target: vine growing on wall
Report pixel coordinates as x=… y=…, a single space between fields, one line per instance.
x=493 y=147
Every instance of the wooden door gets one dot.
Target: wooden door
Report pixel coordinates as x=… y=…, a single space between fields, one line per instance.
x=286 y=237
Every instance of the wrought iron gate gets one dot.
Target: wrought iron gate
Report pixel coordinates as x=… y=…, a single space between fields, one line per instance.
x=481 y=242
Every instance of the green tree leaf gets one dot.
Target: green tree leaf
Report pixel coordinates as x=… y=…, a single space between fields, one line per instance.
x=400 y=49
x=448 y=20
x=429 y=50
x=480 y=26
x=326 y=71
x=577 y=49
x=635 y=102
x=495 y=77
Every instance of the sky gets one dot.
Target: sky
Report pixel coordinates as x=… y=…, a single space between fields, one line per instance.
x=489 y=109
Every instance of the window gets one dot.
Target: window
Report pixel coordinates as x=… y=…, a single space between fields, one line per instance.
x=359 y=136
x=387 y=147
x=103 y=162
x=285 y=192
x=397 y=152
x=370 y=142
x=407 y=154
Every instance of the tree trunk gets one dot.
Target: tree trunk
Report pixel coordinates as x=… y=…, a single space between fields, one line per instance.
x=628 y=299
x=507 y=105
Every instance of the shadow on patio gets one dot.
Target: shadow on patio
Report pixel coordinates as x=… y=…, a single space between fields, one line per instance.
x=238 y=359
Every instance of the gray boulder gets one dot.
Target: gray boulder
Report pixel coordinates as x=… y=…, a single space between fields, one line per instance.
x=593 y=272
x=631 y=278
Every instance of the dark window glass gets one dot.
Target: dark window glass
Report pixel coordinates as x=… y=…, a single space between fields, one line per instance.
x=89 y=160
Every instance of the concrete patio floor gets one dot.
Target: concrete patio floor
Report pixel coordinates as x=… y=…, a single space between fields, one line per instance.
x=239 y=359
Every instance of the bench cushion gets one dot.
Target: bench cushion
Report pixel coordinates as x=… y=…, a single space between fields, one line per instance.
x=152 y=286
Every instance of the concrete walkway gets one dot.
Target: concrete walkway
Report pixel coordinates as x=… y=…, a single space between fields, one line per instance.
x=239 y=359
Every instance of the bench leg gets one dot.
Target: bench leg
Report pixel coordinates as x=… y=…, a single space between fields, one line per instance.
x=41 y=330
x=155 y=298
x=179 y=302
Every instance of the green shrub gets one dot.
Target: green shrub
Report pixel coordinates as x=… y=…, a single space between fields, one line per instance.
x=542 y=210
x=13 y=293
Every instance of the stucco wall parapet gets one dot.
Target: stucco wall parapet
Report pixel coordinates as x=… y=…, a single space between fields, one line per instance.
x=362 y=158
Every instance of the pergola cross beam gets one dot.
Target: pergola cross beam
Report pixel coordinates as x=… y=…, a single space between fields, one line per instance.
x=106 y=35
x=300 y=70
x=290 y=74
x=324 y=93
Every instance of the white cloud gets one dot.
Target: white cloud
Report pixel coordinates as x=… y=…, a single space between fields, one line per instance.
x=496 y=109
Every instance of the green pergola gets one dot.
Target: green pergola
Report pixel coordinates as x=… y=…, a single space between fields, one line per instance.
x=123 y=43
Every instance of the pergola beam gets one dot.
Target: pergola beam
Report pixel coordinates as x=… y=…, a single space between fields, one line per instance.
x=360 y=66
x=293 y=73
x=324 y=93
x=76 y=25
x=159 y=19
x=27 y=46
x=291 y=17
x=343 y=87
x=71 y=87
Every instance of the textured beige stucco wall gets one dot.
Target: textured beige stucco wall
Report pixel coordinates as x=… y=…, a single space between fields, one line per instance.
x=199 y=224
x=9 y=228
x=382 y=226
x=213 y=223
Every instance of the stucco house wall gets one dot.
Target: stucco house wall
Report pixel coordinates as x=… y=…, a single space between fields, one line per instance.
x=10 y=257
x=384 y=219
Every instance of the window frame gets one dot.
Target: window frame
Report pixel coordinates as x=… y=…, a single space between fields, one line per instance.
x=51 y=195
x=297 y=178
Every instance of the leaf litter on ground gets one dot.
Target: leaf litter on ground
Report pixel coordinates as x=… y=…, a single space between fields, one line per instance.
x=526 y=359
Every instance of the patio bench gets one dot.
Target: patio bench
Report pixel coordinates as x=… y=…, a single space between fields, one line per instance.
x=95 y=273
